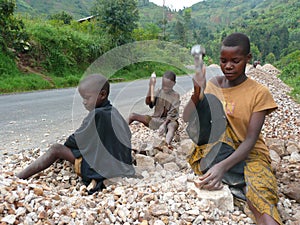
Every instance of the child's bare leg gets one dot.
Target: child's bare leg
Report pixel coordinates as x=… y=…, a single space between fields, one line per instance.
x=56 y=151
x=172 y=127
x=140 y=118
x=261 y=219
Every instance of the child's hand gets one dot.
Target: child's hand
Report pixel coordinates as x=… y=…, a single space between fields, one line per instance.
x=212 y=179
x=209 y=185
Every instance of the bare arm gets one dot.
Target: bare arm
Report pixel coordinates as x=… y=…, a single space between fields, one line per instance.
x=199 y=83
x=148 y=97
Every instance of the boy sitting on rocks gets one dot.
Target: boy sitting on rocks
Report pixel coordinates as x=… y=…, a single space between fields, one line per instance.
x=100 y=148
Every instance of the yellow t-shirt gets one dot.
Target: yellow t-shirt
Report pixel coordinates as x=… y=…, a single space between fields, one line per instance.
x=240 y=102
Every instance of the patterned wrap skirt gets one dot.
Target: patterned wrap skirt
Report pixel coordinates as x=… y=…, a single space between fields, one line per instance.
x=260 y=181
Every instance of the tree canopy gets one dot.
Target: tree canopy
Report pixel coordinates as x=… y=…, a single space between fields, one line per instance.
x=118 y=17
x=11 y=29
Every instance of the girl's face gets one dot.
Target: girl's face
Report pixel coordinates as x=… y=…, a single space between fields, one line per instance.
x=233 y=62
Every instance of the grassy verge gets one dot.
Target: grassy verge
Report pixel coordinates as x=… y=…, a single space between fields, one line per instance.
x=16 y=81
x=144 y=70
x=294 y=83
x=33 y=82
x=290 y=75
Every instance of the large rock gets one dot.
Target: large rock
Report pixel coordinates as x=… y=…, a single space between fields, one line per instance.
x=185 y=147
x=277 y=145
x=275 y=159
x=292 y=148
x=295 y=157
x=171 y=166
x=144 y=162
x=293 y=191
x=163 y=158
x=222 y=199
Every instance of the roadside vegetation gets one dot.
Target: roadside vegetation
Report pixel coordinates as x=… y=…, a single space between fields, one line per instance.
x=291 y=73
x=54 y=50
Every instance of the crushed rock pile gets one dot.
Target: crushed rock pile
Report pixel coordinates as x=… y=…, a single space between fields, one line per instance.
x=162 y=194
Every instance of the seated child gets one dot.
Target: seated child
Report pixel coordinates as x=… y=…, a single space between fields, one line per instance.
x=245 y=103
x=100 y=148
x=166 y=103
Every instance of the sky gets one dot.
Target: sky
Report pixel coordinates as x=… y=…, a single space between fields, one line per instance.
x=176 y=4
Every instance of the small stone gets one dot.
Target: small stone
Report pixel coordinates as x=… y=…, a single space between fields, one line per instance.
x=158 y=210
x=38 y=191
x=295 y=157
x=10 y=219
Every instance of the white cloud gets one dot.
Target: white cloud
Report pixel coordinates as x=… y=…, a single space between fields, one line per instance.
x=176 y=4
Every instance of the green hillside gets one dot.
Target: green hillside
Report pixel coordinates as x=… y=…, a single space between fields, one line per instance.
x=272 y=25
x=77 y=8
x=217 y=14
x=207 y=18
x=150 y=12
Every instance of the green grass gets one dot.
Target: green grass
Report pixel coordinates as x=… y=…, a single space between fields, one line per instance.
x=144 y=70
x=12 y=80
x=68 y=80
x=290 y=75
x=294 y=83
x=22 y=83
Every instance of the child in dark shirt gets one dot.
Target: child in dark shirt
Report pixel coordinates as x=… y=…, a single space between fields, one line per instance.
x=101 y=147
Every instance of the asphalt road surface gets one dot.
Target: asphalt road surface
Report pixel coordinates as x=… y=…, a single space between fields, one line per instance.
x=37 y=119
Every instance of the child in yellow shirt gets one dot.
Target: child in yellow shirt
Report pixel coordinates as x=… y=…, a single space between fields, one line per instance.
x=246 y=104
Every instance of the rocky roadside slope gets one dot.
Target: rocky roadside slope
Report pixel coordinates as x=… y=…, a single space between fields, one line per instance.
x=56 y=196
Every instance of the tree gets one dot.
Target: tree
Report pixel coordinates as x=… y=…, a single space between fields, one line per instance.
x=118 y=17
x=150 y=32
x=180 y=32
x=270 y=58
x=256 y=55
x=11 y=29
x=143 y=2
x=187 y=16
x=63 y=16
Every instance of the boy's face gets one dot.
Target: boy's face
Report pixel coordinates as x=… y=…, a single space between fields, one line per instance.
x=233 y=62
x=167 y=84
x=91 y=99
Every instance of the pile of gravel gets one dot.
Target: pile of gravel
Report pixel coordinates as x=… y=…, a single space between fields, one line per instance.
x=161 y=195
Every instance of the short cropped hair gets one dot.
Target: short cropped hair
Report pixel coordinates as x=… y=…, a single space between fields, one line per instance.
x=96 y=82
x=238 y=39
x=170 y=75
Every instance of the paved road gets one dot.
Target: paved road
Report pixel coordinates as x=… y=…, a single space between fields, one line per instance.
x=33 y=120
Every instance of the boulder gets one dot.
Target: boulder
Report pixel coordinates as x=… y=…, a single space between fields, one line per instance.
x=277 y=145
x=292 y=190
x=144 y=162
x=222 y=199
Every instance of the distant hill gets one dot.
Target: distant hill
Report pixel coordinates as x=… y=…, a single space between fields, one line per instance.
x=215 y=14
x=227 y=12
x=77 y=8
x=273 y=25
x=149 y=11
